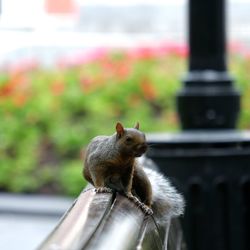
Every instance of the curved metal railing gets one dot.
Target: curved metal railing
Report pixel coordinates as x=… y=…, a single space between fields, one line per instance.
x=101 y=221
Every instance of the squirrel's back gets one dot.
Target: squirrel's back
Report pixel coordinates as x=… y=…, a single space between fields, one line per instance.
x=99 y=149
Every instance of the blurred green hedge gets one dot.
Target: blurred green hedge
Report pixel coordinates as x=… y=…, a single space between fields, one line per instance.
x=49 y=115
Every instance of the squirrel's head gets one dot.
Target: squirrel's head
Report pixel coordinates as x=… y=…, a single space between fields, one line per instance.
x=130 y=141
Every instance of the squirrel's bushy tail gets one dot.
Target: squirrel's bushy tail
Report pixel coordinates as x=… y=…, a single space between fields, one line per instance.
x=167 y=201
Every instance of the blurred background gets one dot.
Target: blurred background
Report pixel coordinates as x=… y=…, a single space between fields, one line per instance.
x=69 y=69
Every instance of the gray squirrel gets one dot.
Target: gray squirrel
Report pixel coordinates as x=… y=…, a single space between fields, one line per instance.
x=111 y=164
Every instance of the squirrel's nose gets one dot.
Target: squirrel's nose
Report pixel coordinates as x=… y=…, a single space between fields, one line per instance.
x=142 y=148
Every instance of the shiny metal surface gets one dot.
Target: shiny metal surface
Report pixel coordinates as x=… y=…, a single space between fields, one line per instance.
x=79 y=222
x=101 y=221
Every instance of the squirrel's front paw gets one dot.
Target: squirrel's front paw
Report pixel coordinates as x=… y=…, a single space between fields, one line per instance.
x=144 y=208
x=103 y=190
x=147 y=210
x=129 y=195
x=134 y=199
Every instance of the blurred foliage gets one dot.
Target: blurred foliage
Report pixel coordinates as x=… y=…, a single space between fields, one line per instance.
x=49 y=115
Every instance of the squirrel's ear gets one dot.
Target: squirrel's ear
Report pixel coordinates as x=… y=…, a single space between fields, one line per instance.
x=119 y=129
x=137 y=126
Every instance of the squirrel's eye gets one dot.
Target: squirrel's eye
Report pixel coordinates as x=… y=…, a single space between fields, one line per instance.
x=129 y=139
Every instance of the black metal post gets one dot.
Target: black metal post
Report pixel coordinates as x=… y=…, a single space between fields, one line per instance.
x=208 y=99
x=209 y=161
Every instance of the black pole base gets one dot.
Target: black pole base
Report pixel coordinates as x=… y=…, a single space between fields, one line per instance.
x=208 y=101
x=212 y=170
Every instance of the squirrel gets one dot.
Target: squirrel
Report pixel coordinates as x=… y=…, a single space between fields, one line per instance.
x=111 y=164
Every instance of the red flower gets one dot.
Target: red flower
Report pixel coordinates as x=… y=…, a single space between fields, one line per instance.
x=82 y=58
x=57 y=88
x=148 y=90
x=142 y=53
x=88 y=84
x=19 y=99
x=149 y=52
x=174 y=48
x=123 y=70
x=15 y=82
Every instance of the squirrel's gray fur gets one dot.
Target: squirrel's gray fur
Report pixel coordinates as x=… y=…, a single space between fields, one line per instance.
x=101 y=147
x=167 y=201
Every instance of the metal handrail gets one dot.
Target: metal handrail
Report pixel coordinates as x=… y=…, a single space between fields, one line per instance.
x=100 y=221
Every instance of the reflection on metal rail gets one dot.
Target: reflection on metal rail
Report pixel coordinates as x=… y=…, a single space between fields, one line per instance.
x=101 y=221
